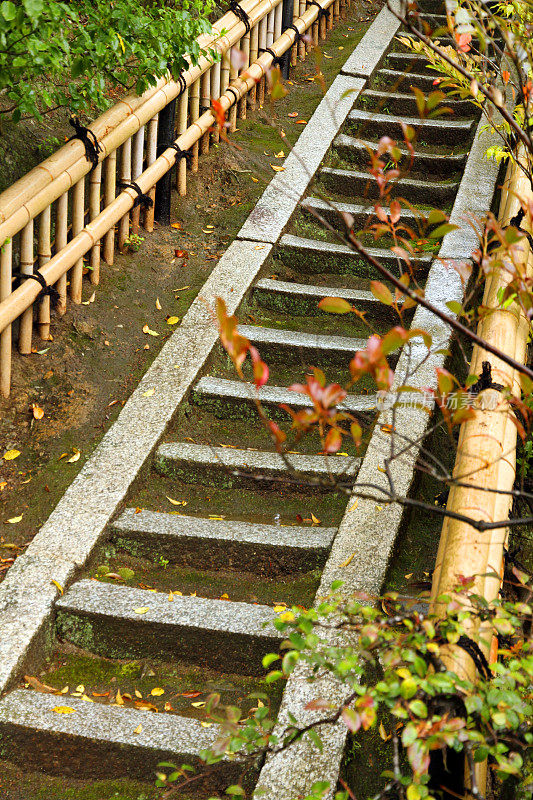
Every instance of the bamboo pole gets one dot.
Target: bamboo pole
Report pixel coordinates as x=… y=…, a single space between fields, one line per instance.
x=44 y=253
x=109 y=195
x=6 y=259
x=205 y=103
x=194 y=113
x=95 y=181
x=262 y=45
x=61 y=236
x=26 y=268
x=245 y=46
x=181 y=166
x=486 y=458
x=78 y=221
x=301 y=44
x=295 y=15
x=254 y=45
x=151 y=155
x=233 y=75
x=25 y=203
x=125 y=175
x=137 y=158
x=215 y=93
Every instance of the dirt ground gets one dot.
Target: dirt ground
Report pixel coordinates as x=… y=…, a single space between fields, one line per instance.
x=82 y=377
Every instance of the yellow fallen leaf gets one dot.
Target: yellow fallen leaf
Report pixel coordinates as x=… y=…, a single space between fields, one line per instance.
x=14 y=520
x=259 y=247
x=64 y=690
x=315 y=520
x=277 y=169
x=215 y=516
x=87 y=699
x=138 y=729
x=172 y=320
x=354 y=505
x=168 y=707
x=91 y=299
x=157 y=304
x=138 y=694
x=201 y=704
x=149 y=393
x=64 y=710
x=279 y=608
x=74 y=457
x=157 y=692
x=118 y=699
x=149 y=331
x=11 y=454
x=204 y=230
x=383 y=733
x=62 y=591
x=176 y=502
x=176 y=226
x=409 y=575
x=281 y=154
x=348 y=561
x=210 y=226
x=206 y=724
x=142 y=610
x=3 y=485
x=255 y=180
x=37 y=411
x=288 y=616
x=171 y=597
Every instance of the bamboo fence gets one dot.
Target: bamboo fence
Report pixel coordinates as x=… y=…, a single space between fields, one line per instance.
x=486 y=456
x=63 y=210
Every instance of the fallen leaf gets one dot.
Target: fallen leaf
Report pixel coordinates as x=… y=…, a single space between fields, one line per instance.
x=176 y=226
x=145 y=705
x=191 y=693
x=64 y=710
x=206 y=724
x=383 y=733
x=91 y=299
x=100 y=694
x=118 y=699
x=315 y=520
x=259 y=247
x=409 y=575
x=277 y=169
x=138 y=694
x=62 y=591
x=36 y=684
x=181 y=254
x=142 y=610
x=37 y=411
x=281 y=154
x=149 y=331
x=354 y=505
x=3 y=485
x=204 y=230
x=293 y=114
x=301 y=122
x=74 y=457
x=157 y=304
x=279 y=608
x=138 y=729
x=14 y=520
x=176 y=502
x=172 y=320
x=157 y=692
x=255 y=180
x=11 y=454
x=168 y=707
x=348 y=561
x=200 y=704
x=149 y=393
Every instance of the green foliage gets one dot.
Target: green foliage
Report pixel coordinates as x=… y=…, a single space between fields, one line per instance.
x=71 y=54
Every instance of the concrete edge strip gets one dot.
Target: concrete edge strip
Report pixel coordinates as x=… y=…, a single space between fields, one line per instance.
x=64 y=542
x=367 y=532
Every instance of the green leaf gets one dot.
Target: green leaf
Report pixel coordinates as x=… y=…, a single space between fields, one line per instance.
x=419 y=708
x=455 y=307
x=9 y=10
x=235 y=791
x=126 y=573
x=442 y=230
x=381 y=293
x=269 y=659
x=335 y=305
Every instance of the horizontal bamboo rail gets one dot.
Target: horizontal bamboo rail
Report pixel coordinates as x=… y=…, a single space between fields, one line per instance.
x=134 y=139
x=486 y=456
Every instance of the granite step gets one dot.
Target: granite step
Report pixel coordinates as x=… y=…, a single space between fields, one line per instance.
x=405 y=103
x=355 y=150
x=98 y=741
x=403 y=61
x=126 y=622
x=258 y=469
x=302 y=298
x=362 y=214
x=235 y=399
x=359 y=183
x=432 y=131
x=404 y=80
x=222 y=544
x=296 y=346
x=314 y=256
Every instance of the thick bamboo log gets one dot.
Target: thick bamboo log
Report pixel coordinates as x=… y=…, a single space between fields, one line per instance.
x=25 y=203
x=301 y=44
x=60 y=241
x=124 y=175
x=262 y=45
x=181 y=166
x=194 y=113
x=254 y=45
x=6 y=260
x=95 y=182
x=26 y=268
x=109 y=195
x=78 y=221
x=205 y=103
x=44 y=253
x=216 y=92
x=137 y=158
x=245 y=48
x=295 y=15
x=151 y=155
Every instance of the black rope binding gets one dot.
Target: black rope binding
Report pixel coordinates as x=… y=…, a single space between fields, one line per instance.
x=92 y=145
x=241 y=13
x=476 y=654
x=234 y=92
x=322 y=12
x=174 y=146
x=292 y=27
x=46 y=290
x=275 y=59
x=142 y=199
x=485 y=380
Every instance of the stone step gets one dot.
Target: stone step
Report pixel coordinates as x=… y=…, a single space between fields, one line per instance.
x=295 y=346
x=359 y=183
x=313 y=256
x=405 y=103
x=432 y=131
x=361 y=214
x=96 y=740
x=409 y=62
x=235 y=399
x=355 y=150
x=112 y=621
x=404 y=80
x=222 y=544
x=301 y=298
x=258 y=469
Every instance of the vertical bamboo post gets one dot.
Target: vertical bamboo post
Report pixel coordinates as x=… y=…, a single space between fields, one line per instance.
x=78 y=221
x=26 y=268
x=271 y=19
x=6 y=259
x=125 y=175
x=194 y=110
x=181 y=166
x=215 y=93
x=254 y=44
x=166 y=131
x=294 y=48
x=205 y=105
x=233 y=74
x=262 y=45
x=110 y=181
x=315 y=30
x=301 y=43
x=60 y=238
x=336 y=8
x=151 y=155
x=44 y=253
x=137 y=159
x=245 y=47
x=95 y=182
x=329 y=17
